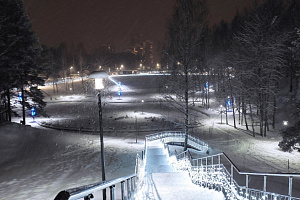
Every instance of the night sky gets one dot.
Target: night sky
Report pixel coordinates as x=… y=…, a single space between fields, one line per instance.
x=96 y=22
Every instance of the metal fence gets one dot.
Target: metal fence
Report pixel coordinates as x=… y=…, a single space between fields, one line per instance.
x=219 y=172
x=87 y=192
x=178 y=137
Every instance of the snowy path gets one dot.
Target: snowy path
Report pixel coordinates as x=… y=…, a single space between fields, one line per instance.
x=163 y=182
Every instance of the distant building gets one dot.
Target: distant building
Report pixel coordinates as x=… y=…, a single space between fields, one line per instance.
x=143 y=49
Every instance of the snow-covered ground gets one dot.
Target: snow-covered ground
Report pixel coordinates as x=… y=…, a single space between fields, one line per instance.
x=37 y=163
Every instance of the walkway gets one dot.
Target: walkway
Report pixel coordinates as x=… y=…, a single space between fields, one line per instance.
x=163 y=182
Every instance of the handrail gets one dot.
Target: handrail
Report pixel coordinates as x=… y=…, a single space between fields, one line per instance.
x=250 y=173
x=87 y=190
x=231 y=187
x=169 y=136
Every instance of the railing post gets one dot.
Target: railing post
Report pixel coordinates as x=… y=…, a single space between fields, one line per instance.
x=112 y=192
x=265 y=184
x=132 y=185
x=231 y=174
x=219 y=161
x=290 y=187
x=247 y=185
x=212 y=161
x=206 y=174
x=128 y=188
x=123 y=190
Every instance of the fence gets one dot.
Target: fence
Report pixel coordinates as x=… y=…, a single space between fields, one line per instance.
x=127 y=187
x=212 y=172
x=178 y=137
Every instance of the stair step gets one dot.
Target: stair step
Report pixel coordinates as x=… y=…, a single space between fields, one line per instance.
x=178 y=185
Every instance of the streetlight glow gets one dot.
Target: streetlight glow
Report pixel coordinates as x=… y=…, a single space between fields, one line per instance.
x=99 y=83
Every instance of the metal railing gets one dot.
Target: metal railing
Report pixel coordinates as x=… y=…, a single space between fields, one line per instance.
x=211 y=172
x=176 y=136
x=215 y=172
x=127 y=186
x=87 y=192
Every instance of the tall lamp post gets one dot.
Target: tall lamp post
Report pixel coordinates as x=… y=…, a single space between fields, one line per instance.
x=99 y=76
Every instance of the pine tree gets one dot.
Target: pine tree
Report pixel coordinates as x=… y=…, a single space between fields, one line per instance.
x=19 y=50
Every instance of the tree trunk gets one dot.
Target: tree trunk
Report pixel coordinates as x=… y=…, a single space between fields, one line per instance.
x=274 y=112
x=233 y=112
x=239 y=110
x=8 y=105
x=244 y=113
x=23 y=105
x=186 y=96
x=252 y=121
x=226 y=109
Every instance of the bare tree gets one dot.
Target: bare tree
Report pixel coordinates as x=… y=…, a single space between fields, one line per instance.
x=259 y=59
x=186 y=31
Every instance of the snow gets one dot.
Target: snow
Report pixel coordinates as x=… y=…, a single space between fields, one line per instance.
x=37 y=162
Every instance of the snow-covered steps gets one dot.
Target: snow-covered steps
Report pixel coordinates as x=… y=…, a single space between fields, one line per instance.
x=157 y=159
x=163 y=182
x=178 y=185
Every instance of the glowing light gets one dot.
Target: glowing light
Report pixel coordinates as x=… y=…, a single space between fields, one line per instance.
x=33 y=113
x=99 y=83
x=20 y=96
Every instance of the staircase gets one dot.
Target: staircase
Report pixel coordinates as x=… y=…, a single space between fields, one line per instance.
x=155 y=177
x=163 y=182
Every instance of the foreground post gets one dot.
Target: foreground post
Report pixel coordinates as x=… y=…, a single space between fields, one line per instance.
x=101 y=143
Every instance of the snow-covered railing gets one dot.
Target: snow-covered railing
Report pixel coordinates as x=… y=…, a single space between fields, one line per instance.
x=178 y=137
x=87 y=192
x=211 y=172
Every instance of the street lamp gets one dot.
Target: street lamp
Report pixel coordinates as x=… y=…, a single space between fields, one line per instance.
x=142 y=106
x=99 y=76
x=71 y=69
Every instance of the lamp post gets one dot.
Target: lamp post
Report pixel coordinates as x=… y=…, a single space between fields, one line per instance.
x=99 y=76
x=71 y=69
x=142 y=106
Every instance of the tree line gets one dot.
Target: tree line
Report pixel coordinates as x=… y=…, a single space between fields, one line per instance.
x=246 y=62
x=25 y=63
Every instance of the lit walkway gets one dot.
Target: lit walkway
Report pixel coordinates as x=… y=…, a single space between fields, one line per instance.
x=163 y=182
